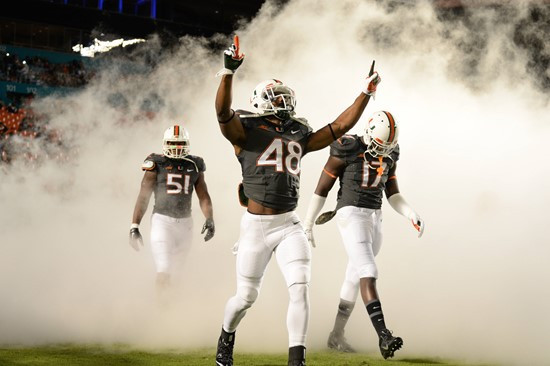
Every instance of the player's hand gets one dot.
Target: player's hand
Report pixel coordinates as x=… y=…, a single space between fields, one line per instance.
x=372 y=82
x=209 y=228
x=418 y=223
x=310 y=238
x=232 y=58
x=135 y=239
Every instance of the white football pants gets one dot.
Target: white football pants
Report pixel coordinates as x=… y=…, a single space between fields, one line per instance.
x=361 y=231
x=261 y=235
x=170 y=241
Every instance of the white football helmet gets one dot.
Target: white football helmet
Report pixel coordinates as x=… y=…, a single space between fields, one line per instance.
x=381 y=134
x=176 y=142
x=273 y=96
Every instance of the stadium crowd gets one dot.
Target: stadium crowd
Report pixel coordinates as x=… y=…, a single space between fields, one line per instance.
x=20 y=127
x=40 y=71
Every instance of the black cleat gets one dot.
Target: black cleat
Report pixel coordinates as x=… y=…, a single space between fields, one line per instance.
x=389 y=344
x=297 y=363
x=224 y=353
x=297 y=356
x=338 y=342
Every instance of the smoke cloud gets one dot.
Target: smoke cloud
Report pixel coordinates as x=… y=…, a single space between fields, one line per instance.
x=473 y=112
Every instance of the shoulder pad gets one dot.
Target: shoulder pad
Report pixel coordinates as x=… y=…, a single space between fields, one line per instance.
x=246 y=114
x=345 y=145
x=150 y=163
x=395 y=153
x=198 y=161
x=302 y=121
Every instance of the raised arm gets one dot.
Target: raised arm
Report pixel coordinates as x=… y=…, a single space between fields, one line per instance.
x=142 y=202
x=347 y=119
x=229 y=121
x=205 y=203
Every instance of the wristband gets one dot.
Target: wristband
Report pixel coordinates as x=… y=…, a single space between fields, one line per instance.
x=225 y=71
x=134 y=226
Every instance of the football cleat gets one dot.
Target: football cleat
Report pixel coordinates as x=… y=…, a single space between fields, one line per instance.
x=224 y=353
x=338 y=342
x=389 y=344
x=297 y=356
x=297 y=363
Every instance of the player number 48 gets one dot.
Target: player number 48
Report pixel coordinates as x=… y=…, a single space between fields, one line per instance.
x=273 y=156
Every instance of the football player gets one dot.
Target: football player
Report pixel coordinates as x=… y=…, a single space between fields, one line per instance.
x=366 y=166
x=172 y=176
x=269 y=144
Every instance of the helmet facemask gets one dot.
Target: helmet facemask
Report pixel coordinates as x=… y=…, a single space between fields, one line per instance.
x=377 y=147
x=274 y=96
x=176 y=143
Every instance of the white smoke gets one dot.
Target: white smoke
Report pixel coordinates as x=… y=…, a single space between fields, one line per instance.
x=473 y=125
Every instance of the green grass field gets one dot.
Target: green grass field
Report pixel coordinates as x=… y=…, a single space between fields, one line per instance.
x=65 y=355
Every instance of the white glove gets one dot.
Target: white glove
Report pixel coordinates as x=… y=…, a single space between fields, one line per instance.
x=235 y=248
x=418 y=223
x=398 y=203
x=315 y=205
x=135 y=239
x=372 y=83
x=310 y=238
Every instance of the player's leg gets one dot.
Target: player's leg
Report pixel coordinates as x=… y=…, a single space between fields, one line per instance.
x=183 y=240
x=370 y=238
x=294 y=259
x=161 y=242
x=348 y=296
x=253 y=255
x=361 y=231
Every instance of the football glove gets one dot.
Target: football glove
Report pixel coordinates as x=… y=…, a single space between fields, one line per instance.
x=310 y=238
x=209 y=228
x=135 y=239
x=325 y=217
x=315 y=205
x=418 y=223
x=232 y=58
x=372 y=82
x=398 y=203
x=243 y=200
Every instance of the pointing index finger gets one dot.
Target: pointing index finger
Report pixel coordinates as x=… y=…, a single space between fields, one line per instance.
x=237 y=47
x=371 y=68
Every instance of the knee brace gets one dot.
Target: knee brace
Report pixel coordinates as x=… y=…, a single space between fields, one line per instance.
x=247 y=295
x=298 y=292
x=299 y=273
x=368 y=270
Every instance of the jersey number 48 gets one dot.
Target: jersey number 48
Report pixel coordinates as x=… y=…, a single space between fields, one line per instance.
x=273 y=156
